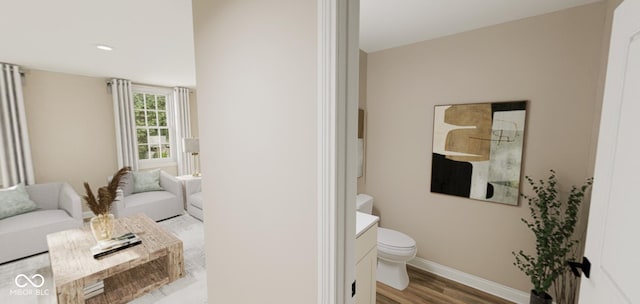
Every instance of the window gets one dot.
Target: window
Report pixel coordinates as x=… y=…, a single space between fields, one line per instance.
x=153 y=125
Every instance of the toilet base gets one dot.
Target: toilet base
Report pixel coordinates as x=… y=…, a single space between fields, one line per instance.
x=393 y=274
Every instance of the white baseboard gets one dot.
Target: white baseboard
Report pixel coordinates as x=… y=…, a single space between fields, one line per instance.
x=479 y=283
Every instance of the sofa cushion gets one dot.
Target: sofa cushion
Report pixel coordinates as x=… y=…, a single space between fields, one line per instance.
x=126 y=184
x=157 y=205
x=196 y=200
x=15 y=200
x=144 y=181
x=53 y=220
x=26 y=234
x=47 y=195
x=144 y=198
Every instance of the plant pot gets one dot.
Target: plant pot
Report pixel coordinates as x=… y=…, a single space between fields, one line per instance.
x=543 y=298
x=102 y=226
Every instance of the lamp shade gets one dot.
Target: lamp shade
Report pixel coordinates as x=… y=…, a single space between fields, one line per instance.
x=190 y=145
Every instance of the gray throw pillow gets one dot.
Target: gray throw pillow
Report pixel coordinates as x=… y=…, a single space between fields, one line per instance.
x=144 y=181
x=15 y=200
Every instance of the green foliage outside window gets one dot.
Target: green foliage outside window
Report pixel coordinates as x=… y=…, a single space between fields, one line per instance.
x=152 y=128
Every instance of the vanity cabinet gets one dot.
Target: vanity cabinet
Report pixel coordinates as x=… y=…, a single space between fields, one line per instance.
x=366 y=263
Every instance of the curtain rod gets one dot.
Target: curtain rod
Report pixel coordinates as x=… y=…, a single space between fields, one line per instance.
x=20 y=70
x=149 y=85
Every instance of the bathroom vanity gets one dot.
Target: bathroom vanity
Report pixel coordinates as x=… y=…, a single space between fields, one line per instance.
x=366 y=258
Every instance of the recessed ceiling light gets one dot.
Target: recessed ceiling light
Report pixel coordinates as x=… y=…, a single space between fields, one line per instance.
x=104 y=47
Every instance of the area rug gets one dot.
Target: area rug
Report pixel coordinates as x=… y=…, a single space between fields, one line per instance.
x=189 y=289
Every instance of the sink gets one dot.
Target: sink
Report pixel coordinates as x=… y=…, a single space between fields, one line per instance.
x=364 y=221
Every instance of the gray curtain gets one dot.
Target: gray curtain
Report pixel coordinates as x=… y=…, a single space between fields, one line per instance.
x=15 y=152
x=183 y=129
x=126 y=144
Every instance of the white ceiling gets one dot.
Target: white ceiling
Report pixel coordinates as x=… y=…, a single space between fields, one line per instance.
x=390 y=23
x=153 y=39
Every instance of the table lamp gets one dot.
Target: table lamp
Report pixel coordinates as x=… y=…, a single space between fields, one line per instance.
x=192 y=145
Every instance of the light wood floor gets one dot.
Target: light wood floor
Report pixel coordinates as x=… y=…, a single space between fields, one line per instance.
x=426 y=288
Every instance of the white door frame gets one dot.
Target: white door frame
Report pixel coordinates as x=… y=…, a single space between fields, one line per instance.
x=338 y=51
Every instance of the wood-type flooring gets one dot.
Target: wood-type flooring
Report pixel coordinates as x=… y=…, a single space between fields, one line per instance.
x=427 y=288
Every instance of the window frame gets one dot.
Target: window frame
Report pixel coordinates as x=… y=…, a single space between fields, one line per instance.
x=171 y=126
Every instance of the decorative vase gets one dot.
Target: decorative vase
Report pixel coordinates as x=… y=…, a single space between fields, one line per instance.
x=543 y=298
x=102 y=226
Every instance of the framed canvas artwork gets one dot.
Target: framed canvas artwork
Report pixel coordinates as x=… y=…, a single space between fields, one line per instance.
x=477 y=150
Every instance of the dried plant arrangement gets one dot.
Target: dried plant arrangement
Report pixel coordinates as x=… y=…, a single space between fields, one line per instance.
x=106 y=194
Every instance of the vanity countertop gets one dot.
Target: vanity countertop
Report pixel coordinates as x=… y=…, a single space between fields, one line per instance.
x=364 y=221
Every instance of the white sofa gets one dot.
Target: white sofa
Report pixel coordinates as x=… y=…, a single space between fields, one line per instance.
x=157 y=205
x=193 y=190
x=59 y=208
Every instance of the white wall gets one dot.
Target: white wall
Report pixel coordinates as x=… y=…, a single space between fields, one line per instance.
x=256 y=74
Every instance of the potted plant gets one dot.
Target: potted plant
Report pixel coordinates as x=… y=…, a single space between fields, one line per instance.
x=102 y=223
x=553 y=223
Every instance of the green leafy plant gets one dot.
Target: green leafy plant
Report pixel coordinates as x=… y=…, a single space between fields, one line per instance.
x=553 y=223
x=106 y=194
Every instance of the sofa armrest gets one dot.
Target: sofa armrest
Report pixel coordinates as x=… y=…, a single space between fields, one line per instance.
x=70 y=201
x=192 y=186
x=171 y=184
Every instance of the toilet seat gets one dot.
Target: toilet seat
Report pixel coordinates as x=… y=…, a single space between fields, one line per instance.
x=395 y=246
x=394 y=239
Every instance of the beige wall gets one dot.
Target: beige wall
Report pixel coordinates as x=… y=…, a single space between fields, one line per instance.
x=611 y=5
x=551 y=60
x=256 y=73
x=71 y=128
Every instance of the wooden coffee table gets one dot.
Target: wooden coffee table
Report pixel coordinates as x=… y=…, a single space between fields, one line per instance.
x=127 y=274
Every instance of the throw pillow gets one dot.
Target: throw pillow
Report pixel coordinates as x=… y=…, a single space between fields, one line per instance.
x=15 y=200
x=144 y=181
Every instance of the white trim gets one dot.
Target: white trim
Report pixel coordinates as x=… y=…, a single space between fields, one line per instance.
x=470 y=280
x=337 y=148
x=156 y=163
x=328 y=280
x=87 y=214
x=352 y=87
x=142 y=88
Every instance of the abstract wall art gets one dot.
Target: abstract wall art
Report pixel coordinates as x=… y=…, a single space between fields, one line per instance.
x=477 y=150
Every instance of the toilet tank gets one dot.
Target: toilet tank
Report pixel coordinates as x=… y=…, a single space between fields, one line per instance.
x=364 y=203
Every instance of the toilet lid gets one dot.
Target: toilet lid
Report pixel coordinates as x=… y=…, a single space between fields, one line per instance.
x=394 y=238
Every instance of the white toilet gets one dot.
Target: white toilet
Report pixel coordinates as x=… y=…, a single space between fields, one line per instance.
x=394 y=250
